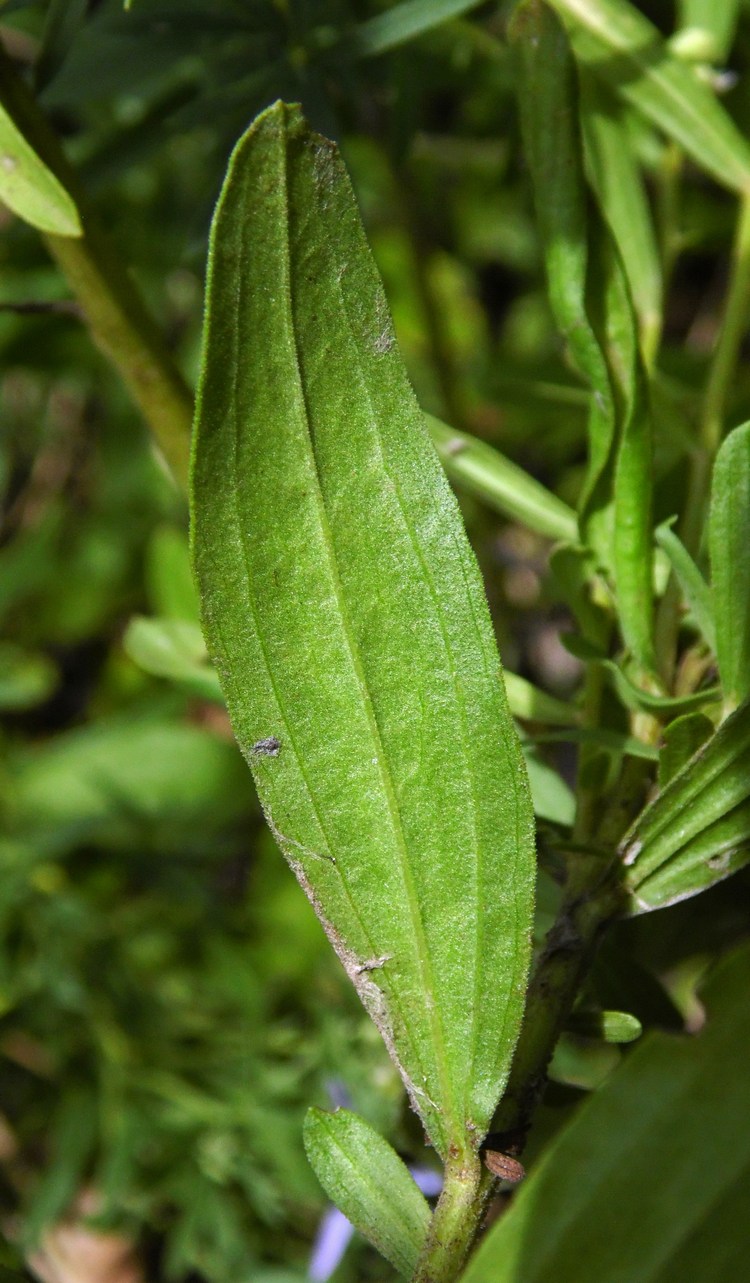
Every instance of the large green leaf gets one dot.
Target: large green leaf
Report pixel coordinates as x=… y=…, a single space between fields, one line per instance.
x=369 y=1183
x=346 y=615
x=621 y=46
x=697 y=830
x=29 y=188
x=648 y=1184
x=729 y=543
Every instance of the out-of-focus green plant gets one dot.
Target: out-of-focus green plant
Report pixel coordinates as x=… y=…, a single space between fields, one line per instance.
x=545 y=195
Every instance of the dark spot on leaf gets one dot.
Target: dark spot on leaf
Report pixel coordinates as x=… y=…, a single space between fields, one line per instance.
x=267 y=748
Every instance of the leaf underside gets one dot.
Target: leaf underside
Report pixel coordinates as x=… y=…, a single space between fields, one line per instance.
x=345 y=613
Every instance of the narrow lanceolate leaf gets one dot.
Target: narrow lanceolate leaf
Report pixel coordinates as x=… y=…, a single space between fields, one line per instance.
x=405 y=21
x=617 y=180
x=649 y=1181
x=553 y=149
x=477 y=467
x=29 y=188
x=367 y=1180
x=618 y=44
x=729 y=544
x=697 y=831
x=695 y=590
x=603 y=342
x=346 y=615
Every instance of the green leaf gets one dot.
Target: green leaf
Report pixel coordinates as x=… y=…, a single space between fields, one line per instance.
x=618 y=44
x=553 y=149
x=29 y=188
x=639 y=700
x=617 y=180
x=367 y=1180
x=117 y=781
x=632 y=540
x=534 y=705
x=714 y=23
x=485 y=472
x=589 y=299
x=169 y=575
x=608 y=1026
x=695 y=590
x=26 y=679
x=601 y=737
x=729 y=545
x=346 y=615
x=175 y=649
x=553 y=799
x=649 y=1180
x=403 y=22
x=696 y=830
x=680 y=741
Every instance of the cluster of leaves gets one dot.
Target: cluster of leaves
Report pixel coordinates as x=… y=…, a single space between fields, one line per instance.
x=168 y=1003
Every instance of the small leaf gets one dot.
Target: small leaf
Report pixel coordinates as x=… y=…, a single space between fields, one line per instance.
x=175 y=649
x=29 y=188
x=607 y=1026
x=601 y=737
x=347 y=618
x=681 y=741
x=696 y=831
x=403 y=22
x=553 y=799
x=695 y=590
x=534 y=705
x=649 y=1180
x=367 y=1180
x=617 y=43
x=639 y=700
x=26 y=678
x=486 y=473
x=716 y=23
x=729 y=545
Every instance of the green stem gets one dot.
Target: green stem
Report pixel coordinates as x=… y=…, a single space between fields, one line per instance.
x=454 y=1226
x=118 y=321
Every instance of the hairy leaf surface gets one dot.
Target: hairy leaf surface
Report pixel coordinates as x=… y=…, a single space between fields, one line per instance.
x=697 y=831
x=346 y=616
x=367 y=1180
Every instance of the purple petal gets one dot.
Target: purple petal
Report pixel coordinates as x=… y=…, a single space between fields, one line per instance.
x=331 y=1241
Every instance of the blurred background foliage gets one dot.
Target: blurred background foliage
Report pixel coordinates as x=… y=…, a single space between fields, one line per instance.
x=168 y=1004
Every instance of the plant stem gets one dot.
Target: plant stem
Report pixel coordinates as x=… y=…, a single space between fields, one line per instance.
x=116 y=316
x=567 y=955
x=454 y=1226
